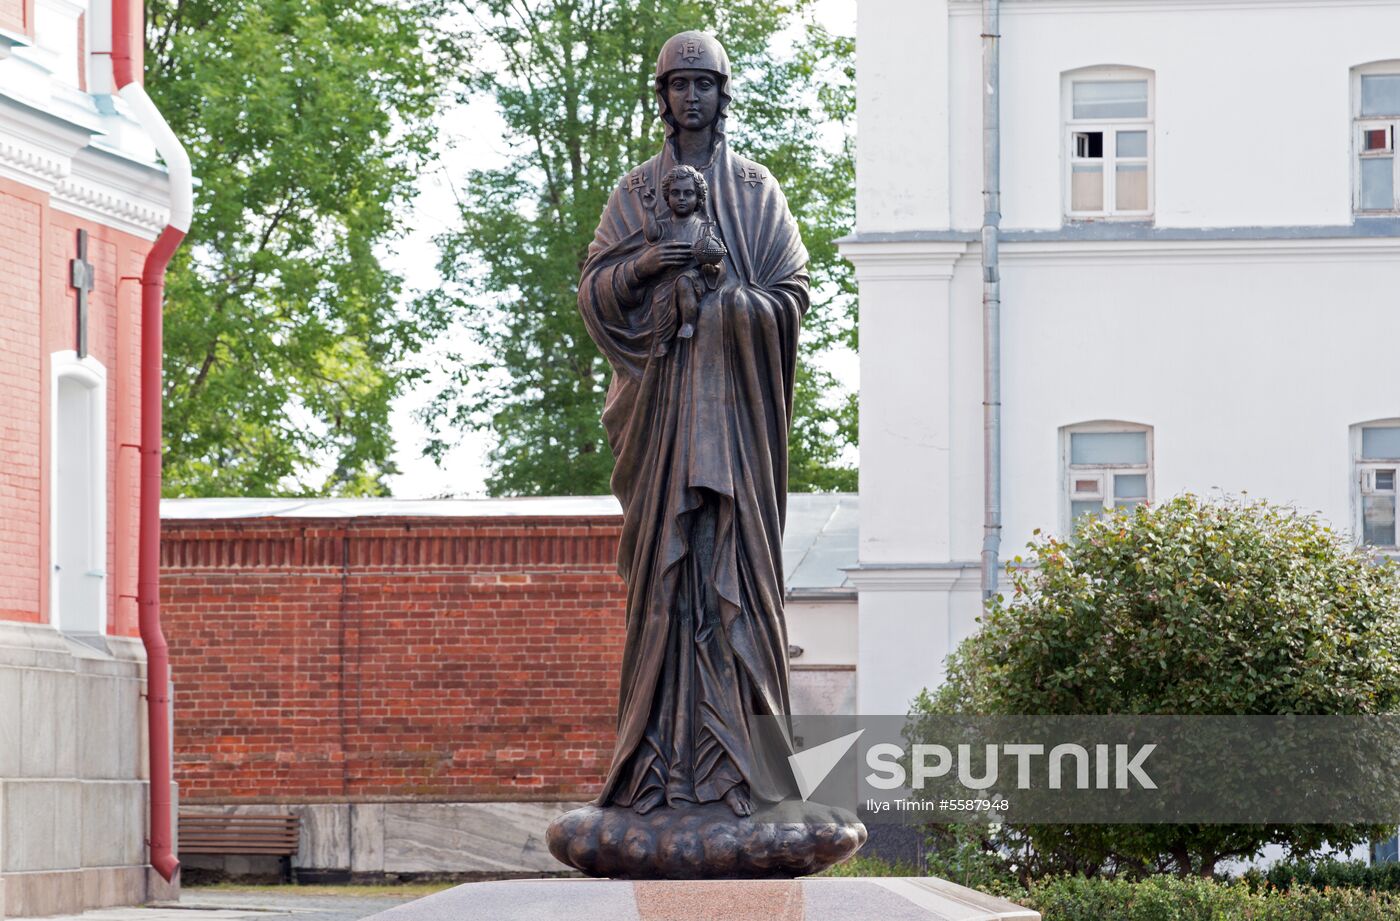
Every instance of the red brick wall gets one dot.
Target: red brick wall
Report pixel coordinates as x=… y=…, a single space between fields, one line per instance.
x=114 y=339
x=17 y=16
x=384 y=658
x=21 y=241
x=37 y=318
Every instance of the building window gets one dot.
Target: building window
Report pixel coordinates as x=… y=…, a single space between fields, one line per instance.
x=1377 y=452
x=1108 y=144
x=1377 y=114
x=78 y=495
x=1108 y=465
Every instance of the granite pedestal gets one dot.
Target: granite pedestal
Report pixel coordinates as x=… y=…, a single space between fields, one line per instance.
x=812 y=899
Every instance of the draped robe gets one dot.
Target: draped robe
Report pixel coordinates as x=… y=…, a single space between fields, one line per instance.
x=700 y=440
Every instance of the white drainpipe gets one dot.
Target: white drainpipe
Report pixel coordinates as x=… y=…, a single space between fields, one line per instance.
x=991 y=291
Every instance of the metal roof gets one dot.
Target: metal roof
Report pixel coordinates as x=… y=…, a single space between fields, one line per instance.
x=820 y=543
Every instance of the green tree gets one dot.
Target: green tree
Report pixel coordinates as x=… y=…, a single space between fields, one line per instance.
x=572 y=79
x=306 y=121
x=1192 y=608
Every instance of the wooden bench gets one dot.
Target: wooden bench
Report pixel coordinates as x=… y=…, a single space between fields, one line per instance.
x=245 y=835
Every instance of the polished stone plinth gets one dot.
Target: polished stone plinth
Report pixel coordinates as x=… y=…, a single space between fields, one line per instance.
x=815 y=899
x=705 y=842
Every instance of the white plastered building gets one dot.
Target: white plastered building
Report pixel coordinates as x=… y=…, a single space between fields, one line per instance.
x=1200 y=264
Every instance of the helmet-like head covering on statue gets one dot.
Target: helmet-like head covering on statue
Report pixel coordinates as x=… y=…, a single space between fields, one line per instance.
x=692 y=51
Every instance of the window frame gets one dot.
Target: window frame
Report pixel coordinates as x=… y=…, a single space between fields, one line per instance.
x=1360 y=124
x=1363 y=484
x=89 y=373
x=1069 y=472
x=1110 y=127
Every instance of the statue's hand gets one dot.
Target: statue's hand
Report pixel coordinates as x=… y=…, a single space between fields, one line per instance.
x=659 y=257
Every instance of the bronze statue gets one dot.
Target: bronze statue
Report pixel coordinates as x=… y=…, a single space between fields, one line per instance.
x=696 y=302
x=686 y=193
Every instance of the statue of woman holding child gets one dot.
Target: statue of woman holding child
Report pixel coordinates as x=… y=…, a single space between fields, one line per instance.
x=694 y=289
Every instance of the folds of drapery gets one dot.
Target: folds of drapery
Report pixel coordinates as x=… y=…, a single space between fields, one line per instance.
x=706 y=422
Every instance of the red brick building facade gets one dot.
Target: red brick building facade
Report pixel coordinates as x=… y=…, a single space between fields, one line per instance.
x=83 y=195
x=38 y=319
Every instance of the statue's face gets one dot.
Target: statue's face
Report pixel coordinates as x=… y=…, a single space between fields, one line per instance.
x=682 y=197
x=693 y=97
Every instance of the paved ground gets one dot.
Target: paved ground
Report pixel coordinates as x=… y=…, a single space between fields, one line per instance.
x=268 y=904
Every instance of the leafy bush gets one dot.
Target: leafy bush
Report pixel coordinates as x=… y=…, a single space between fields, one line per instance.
x=1328 y=874
x=966 y=855
x=1188 y=607
x=1166 y=898
x=1160 y=898
x=1169 y=898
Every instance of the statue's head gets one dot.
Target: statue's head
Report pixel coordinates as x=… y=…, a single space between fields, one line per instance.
x=692 y=81
x=684 y=190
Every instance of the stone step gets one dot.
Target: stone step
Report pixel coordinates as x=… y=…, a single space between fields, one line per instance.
x=812 y=899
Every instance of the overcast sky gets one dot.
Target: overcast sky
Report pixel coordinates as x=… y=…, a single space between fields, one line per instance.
x=470 y=138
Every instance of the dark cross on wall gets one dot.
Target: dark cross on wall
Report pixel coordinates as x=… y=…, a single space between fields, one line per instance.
x=82 y=280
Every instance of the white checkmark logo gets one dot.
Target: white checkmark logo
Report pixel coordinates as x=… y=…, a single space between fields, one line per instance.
x=810 y=767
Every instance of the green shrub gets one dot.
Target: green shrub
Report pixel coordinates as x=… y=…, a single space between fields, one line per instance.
x=1187 y=607
x=1165 y=898
x=1170 y=898
x=1160 y=898
x=1328 y=874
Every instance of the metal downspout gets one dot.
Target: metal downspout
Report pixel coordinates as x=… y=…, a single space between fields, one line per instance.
x=177 y=162
x=991 y=292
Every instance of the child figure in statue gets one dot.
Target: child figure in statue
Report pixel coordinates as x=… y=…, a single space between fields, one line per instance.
x=676 y=297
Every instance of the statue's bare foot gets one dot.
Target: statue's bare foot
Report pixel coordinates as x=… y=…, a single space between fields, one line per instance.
x=738 y=800
x=647 y=802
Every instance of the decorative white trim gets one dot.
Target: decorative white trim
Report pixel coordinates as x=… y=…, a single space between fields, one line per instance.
x=113 y=191
x=35 y=149
x=1034 y=7
x=30 y=162
x=916 y=577
x=91 y=374
x=1156 y=252
x=904 y=260
x=10 y=39
x=55 y=155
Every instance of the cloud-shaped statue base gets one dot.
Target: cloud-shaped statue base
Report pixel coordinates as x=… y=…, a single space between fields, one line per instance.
x=705 y=842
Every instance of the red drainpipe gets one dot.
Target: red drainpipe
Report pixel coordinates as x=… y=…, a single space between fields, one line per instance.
x=125 y=32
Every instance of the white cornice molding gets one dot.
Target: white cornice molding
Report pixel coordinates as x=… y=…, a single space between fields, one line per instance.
x=916 y=577
x=1037 y=7
x=1159 y=252
x=109 y=190
x=36 y=149
x=903 y=260
x=56 y=156
x=30 y=163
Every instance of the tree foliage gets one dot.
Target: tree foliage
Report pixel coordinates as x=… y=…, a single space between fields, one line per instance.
x=1192 y=608
x=306 y=121
x=573 y=82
